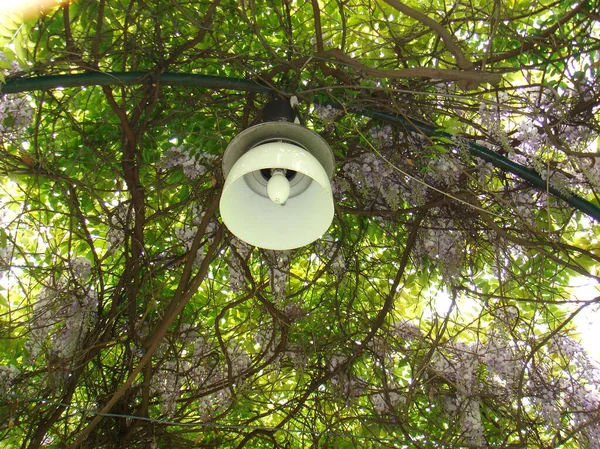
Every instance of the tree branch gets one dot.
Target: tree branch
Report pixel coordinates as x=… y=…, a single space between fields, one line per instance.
x=132 y=178
x=533 y=40
x=466 y=80
x=185 y=291
x=318 y=33
x=462 y=62
x=208 y=18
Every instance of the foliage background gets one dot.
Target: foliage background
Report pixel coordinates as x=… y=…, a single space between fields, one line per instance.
x=436 y=312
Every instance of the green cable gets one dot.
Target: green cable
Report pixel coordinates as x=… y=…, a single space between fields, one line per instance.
x=499 y=161
x=16 y=85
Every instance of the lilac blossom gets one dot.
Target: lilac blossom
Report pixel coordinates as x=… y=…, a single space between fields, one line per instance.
x=264 y=338
x=485 y=170
x=387 y=402
x=213 y=403
x=16 y=114
x=383 y=135
x=532 y=140
x=502 y=359
x=63 y=314
x=201 y=372
x=238 y=357
x=121 y=220
x=167 y=384
x=294 y=311
x=330 y=249
x=491 y=119
x=327 y=114
x=339 y=380
x=279 y=267
x=8 y=374
x=238 y=254
x=459 y=363
x=6 y=253
x=571 y=391
x=582 y=390
x=78 y=319
x=373 y=179
x=193 y=165
x=81 y=268
x=186 y=236
x=526 y=202
x=445 y=170
x=590 y=169
x=14 y=68
x=443 y=243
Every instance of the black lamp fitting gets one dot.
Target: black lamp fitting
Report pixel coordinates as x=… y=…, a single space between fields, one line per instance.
x=278 y=110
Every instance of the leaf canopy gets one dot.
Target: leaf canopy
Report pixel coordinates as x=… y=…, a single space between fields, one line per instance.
x=439 y=310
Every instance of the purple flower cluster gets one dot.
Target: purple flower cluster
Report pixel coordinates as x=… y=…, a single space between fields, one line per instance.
x=186 y=234
x=79 y=318
x=532 y=140
x=120 y=221
x=484 y=170
x=443 y=243
x=81 y=268
x=387 y=402
x=213 y=403
x=445 y=171
x=330 y=249
x=327 y=114
x=279 y=267
x=560 y=381
x=526 y=202
x=64 y=313
x=167 y=383
x=238 y=254
x=501 y=356
x=238 y=358
x=581 y=389
x=8 y=374
x=16 y=114
x=590 y=169
x=264 y=338
x=383 y=135
x=460 y=363
x=548 y=146
x=193 y=165
x=491 y=119
x=6 y=253
x=373 y=179
x=14 y=66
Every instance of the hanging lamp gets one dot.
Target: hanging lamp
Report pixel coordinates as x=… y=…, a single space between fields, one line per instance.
x=277 y=193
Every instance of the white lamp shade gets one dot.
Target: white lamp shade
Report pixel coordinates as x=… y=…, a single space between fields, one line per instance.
x=256 y=219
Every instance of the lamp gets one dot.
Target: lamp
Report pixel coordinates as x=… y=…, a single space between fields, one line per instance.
x=277 y=192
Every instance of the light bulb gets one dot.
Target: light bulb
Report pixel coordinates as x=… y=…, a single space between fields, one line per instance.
x=278 y=187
